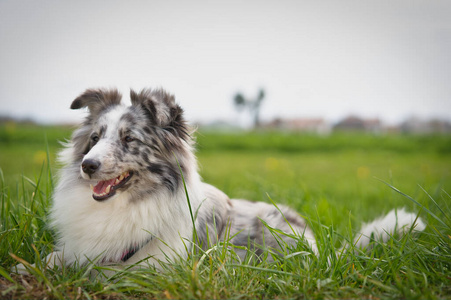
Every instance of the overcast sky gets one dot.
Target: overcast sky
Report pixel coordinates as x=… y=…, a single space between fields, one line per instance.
x=387 y=59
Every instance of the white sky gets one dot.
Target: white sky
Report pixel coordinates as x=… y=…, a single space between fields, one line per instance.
x=387 y=59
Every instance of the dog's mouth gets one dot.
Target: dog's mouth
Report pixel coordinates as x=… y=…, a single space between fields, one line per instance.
x=107 y=188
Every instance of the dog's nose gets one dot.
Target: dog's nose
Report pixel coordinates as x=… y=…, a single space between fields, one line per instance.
x=90 y=166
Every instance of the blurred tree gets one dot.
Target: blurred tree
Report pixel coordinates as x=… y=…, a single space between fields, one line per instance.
x=253 y=105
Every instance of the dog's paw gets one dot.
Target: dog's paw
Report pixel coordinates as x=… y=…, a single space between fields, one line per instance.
x=26 y=268
x=19 y=269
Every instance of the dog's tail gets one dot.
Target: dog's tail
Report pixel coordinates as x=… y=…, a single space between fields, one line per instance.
x=396 y=222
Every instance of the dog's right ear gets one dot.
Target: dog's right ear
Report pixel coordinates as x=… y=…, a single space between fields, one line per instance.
x=97 y=100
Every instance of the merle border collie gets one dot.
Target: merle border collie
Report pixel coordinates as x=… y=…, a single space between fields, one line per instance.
x=129 y=193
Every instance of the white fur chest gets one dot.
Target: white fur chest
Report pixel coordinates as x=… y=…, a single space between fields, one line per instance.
x=88 y=229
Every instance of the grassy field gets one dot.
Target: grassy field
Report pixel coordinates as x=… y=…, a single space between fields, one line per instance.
x=336 y=182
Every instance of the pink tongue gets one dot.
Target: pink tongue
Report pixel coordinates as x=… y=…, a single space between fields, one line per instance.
x=102 y=185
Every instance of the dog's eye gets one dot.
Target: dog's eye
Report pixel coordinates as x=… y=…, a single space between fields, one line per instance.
x=95 y=138
x=128 y=139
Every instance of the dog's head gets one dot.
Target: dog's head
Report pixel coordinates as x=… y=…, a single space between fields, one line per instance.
x=139 y=148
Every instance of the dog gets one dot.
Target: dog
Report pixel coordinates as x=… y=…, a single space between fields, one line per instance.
x=129 y=193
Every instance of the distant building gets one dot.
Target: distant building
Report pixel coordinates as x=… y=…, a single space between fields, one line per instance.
x=416 y=125
x=353 y=123
x=350 y=123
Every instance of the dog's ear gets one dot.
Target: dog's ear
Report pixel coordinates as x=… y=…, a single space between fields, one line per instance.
x=161 y=108
x=97 y=99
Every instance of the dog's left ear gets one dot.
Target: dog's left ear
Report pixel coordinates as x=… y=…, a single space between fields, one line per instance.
x=160 y=107
x=97 y=100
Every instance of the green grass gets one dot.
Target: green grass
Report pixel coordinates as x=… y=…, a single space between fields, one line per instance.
x=334 y=181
